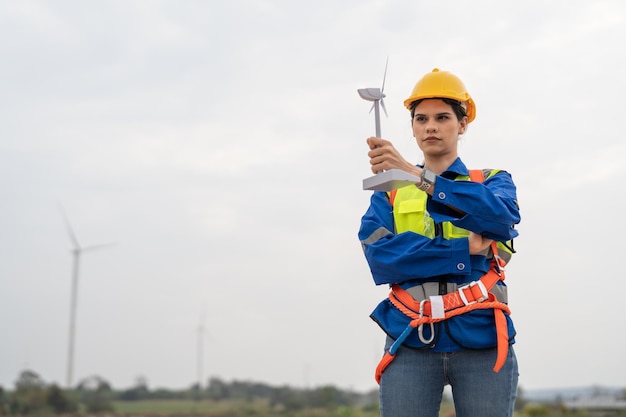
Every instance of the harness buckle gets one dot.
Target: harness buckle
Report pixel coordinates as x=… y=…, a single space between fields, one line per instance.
x=483 y=291
x=499 y=264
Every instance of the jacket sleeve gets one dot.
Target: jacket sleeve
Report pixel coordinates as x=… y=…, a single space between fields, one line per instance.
x=395 y=258
x=489 y=208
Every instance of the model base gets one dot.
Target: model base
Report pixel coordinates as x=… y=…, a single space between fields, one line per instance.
x=390 y=180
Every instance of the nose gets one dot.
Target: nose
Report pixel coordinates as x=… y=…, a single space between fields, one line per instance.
x=431 y=127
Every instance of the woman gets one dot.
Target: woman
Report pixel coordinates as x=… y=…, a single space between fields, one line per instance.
x=428 y=241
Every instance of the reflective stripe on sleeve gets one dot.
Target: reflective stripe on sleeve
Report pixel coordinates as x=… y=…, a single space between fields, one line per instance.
x=378 y=234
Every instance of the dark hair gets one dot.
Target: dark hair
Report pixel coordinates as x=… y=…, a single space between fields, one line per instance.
x=457 y=108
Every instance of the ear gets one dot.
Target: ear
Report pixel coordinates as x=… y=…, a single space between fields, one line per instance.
x=463 y=125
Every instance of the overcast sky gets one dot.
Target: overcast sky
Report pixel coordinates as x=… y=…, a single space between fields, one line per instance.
x=220 y=146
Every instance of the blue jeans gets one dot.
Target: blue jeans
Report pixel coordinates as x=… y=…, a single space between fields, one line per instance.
x=412 y=385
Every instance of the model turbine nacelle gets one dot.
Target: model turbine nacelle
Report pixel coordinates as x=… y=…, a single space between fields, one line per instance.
x=375 y=95
x=371 y=94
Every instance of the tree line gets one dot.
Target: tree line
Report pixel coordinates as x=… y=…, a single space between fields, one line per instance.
x=33 y=396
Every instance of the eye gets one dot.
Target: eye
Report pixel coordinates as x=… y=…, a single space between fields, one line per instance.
x=419 y=118
x=443 y=117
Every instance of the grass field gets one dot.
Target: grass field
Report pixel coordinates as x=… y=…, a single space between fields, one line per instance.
x=203 y=408
x=258 y=408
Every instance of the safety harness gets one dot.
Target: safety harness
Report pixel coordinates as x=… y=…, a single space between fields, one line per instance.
x=473 y=296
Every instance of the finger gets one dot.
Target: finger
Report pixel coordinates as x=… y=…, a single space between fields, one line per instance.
x=375 y=142
x=375 y=161
x=372 y=143
x=377 y=167
x=376 y=152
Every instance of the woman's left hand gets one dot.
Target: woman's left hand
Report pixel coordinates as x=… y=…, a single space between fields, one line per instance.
x=478 y=243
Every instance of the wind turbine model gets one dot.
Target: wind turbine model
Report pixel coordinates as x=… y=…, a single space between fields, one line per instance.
x=394 y=178
x=76 y=253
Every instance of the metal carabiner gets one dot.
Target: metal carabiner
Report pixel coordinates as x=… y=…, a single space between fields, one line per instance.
x=421 y=327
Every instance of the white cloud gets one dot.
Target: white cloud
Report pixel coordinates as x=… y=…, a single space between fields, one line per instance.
x=222 y=148
x=574 y=172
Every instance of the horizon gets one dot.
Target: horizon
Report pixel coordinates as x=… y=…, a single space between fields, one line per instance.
x=573 y=390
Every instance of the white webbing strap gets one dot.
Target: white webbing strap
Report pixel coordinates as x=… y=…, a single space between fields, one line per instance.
x=437 y=309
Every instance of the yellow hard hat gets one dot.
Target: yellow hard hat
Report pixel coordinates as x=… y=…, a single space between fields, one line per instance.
x=442 y=84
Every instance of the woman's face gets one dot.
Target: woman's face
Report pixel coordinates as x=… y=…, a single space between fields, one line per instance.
x=436 y=128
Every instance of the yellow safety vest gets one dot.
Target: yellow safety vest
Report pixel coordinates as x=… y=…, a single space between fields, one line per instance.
x=410 y=214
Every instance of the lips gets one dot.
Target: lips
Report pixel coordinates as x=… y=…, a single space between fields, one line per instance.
x=431 y=139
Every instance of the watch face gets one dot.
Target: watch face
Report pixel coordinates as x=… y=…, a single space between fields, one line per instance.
x=429 y=176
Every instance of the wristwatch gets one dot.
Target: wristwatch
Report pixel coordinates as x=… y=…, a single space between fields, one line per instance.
x=428 y=179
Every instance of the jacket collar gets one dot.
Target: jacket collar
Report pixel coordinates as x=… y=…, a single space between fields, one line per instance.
x=454 y=170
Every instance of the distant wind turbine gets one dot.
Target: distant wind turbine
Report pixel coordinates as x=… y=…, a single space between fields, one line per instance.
x=77 y=251
x=201 y=336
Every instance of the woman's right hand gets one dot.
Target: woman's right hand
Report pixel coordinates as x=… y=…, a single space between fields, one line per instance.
x=384 y=156
x=478 y=243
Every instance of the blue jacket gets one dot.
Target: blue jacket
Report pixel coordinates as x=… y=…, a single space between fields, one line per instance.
x=410 y=259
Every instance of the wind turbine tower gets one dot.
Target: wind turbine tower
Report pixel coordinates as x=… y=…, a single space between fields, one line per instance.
x=77 y=251
x=201 y=336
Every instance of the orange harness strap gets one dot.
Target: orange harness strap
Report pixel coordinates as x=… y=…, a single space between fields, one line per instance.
x=477 y=175
x=471 y=297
